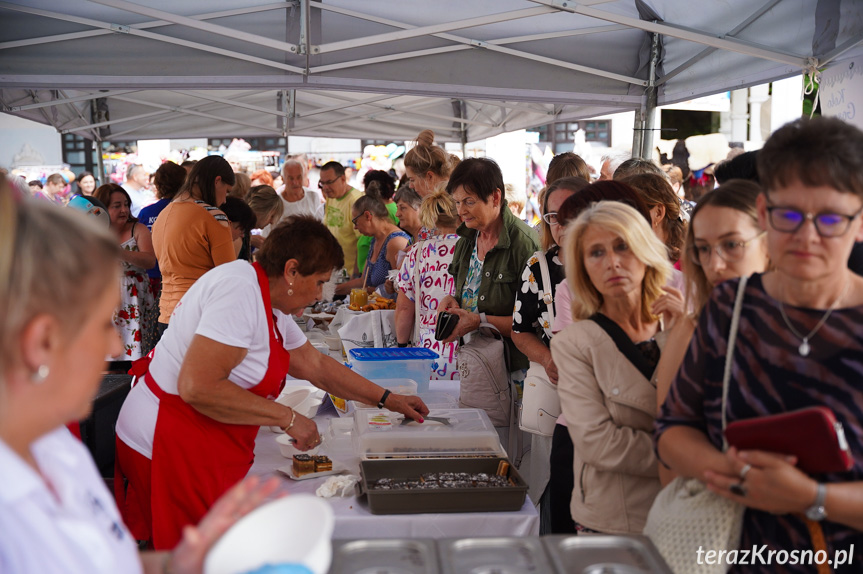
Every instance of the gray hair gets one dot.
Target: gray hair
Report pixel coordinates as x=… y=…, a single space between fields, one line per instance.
x=407 y=195
x=614 y=159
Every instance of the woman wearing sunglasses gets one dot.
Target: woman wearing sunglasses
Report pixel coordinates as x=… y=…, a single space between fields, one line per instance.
x=799 y=344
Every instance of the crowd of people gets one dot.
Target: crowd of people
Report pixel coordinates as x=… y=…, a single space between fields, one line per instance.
x=622 y=299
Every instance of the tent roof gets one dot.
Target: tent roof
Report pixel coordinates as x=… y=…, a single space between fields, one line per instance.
x=386 y=69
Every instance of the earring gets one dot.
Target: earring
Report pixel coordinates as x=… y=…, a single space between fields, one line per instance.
x=40 y=375
x=290 y=290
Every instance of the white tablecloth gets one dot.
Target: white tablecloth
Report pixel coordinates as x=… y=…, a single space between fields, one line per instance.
x=353 y=519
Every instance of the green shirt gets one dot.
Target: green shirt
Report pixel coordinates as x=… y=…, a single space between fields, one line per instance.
x=337 y=218
x=501 y=271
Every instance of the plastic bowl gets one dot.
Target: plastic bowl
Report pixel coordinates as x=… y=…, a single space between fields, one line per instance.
x=334 y=341
x=291 y=530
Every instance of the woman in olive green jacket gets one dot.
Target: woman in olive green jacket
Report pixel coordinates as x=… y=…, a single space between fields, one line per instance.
x=491 y=252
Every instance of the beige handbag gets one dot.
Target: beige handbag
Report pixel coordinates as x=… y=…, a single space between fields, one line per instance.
x=685 y=516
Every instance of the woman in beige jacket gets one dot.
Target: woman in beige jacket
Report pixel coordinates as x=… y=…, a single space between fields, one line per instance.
x=616 y=269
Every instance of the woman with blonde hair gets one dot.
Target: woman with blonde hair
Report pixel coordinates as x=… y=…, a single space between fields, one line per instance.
x=427 y=164
x=423 y=281
x=58 y=273
x=268 y=208
x=242 y=184
x=616 y=269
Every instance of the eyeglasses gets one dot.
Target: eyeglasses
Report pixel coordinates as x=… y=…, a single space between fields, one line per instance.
x=550 y=218
x=827 y=224
x=323 y=183
x=729 y=250
x=467 y=203
x=354 y=220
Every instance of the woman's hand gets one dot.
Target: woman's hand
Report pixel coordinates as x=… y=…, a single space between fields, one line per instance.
x=188 y=557
x=467 y=323
x=447 y=303
x=551 y=370
x=670 y=305
x=772 y=483
x=305 y=431
x=256 y=241
x=412 y=407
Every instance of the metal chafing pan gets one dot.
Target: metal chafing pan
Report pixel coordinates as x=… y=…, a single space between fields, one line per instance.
x=597 y=554
x=469 y=499
x=499 y=555
x=385 y=556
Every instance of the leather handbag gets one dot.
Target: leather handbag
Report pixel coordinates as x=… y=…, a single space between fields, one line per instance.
x=540 y=404
x=685 y=516
x=484 y=376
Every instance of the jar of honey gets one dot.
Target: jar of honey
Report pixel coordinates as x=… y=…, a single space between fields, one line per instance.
x=359 y=297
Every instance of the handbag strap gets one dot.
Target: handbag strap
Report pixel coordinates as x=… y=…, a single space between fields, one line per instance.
x=729 y=353
x=624 y=344
x=417 y=299
x=547 y=294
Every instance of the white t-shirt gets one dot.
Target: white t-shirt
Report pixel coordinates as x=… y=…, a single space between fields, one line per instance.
x=140 y=199
x=224 y=305
x=312 y=204
x=76 y=529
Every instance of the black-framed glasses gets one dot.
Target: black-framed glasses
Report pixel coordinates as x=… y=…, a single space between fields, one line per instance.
x=730 y=250
x=550 y=218
x=322 y=183
x=354 y=220
x=827 y=224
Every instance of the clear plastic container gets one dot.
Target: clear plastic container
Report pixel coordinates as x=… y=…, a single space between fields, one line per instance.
x=445 y=433
x=410 y=362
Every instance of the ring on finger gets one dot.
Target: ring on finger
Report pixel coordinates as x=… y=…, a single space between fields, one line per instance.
x=744 y=471
x=737 y=489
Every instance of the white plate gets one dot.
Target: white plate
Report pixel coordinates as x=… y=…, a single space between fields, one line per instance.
x=288 y=471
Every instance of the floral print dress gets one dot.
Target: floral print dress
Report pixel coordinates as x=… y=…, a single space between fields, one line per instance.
x=530 y=314
x=136 y=304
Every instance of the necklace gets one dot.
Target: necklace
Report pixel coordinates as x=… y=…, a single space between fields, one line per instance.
x=804 y=347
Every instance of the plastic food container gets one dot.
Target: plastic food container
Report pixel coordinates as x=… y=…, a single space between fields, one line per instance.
x=445 y=433
x=604 y=554
x=407 y=556
x=395 y=386
x=498 y=554
x=458 y=499
x=409 y=362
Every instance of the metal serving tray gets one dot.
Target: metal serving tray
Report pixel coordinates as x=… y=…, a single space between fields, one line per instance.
x=395 y=556
x=412 y=501
x=598 y=554
x=500 y=555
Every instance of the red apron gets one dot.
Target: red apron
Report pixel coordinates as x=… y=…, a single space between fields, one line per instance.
x=196 y=459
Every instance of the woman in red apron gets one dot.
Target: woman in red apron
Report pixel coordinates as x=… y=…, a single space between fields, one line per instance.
x=205 y=385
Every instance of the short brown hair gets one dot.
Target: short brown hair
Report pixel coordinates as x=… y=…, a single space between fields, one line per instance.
x=305 y=239
x=818 y=152
x=567 y=164
x=168 y=179
x=104 y=192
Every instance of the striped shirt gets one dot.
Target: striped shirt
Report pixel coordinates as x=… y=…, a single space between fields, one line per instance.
x=770 y=377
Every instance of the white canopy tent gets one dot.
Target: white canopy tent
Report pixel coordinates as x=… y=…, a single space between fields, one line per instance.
x=388 y=69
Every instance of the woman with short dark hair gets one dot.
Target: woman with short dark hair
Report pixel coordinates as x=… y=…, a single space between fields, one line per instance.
x=186 y=432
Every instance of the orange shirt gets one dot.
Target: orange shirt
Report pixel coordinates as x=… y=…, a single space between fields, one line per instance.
x=188 y=242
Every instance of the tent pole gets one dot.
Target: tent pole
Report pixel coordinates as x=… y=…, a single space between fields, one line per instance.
x=650 y=109
x=638 y=132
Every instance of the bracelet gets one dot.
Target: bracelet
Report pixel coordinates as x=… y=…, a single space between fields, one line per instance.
x=403 y=344
x=384 y=398
x=293 y=418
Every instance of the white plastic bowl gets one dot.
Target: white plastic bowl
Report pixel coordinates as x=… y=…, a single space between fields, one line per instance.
x=291 y=530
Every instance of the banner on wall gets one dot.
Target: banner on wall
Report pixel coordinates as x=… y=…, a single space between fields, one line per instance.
x=842 y=91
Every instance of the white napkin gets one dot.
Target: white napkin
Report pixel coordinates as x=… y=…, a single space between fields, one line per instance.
x=339 y=485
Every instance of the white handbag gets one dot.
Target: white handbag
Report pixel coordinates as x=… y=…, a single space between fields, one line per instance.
x=540 y=405
x=685 y=516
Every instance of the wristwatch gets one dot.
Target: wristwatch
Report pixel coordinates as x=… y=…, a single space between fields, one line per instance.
x=817 y=511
